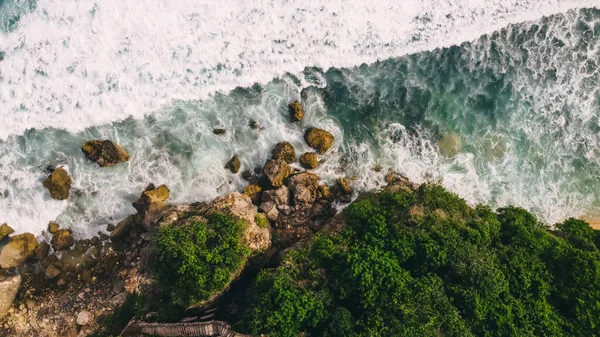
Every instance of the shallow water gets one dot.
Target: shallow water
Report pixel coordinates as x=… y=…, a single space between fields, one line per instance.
x=510 y=118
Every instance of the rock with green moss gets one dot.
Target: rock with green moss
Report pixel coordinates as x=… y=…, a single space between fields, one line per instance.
x=276 y=171
x=319 y=139
x=58 y=184
x=104 y=152
x=17 y=250
x=284 y=151
x=296 y=111
x=254 y=192
x=233 y=164
x=62 y=240
x=5 y=230
x=309 y=160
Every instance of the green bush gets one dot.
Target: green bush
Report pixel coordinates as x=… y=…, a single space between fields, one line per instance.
x=198 y=259
x=427 y=264
x=261 y=220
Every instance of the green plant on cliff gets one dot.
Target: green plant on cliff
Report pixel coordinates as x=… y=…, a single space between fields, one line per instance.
x=197 y=259
x=424 y=263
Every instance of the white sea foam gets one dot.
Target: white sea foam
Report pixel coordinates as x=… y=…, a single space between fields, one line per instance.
x=75 y=64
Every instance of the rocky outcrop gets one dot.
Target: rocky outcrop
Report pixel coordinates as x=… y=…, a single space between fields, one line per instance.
x=233 y=164
x=104 y=152
x=5 y=230
x=275 y=171
x=9 y=286
x=58 y=184
x=284 y=151
x=296 y=111
x=309 y=160
x=319 y=139
x=17 y=250
x=62 y=240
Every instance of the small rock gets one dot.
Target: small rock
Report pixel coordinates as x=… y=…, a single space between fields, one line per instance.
x=41 y=251
x=309 y=160
x=58 y=184
x=296 y=111
x=61 y=282
x=17 y=250
x=284 y=151
x=84 y=318
x=104 y=152
x=62 y=240
x=343 y=185
x=319 y=139
x=233 y=164
x=29 y=303
x=254 y=125
x=110 y=227
x=219 y=131
x=119 y=299
x=276 y=171
x=53 y=227
x=254 y=192
x=280 y=196
x=5 y=230
x=122 y=228
x=52 y=271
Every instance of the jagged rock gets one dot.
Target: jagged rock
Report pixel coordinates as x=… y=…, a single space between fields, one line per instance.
x=254 y=192
x=41 y=251
x=58 y=184
x=219 y=131
x=84 y=318
x=307 y=179
x=151 y=196
x=343 y=185
x=309 y=160
x=104 y=152
x=280 y=196
x=122 y=228
x=276 y=171
x=233 y=164
x=17 y=250
x=5 y=230
x=270 y=210
x=323 y=193
x=296 y=111
x=319 y=139
x=62 y=240
x=302 y=195
x=284 y=151
x=9 y=286
x=52 y=271
x=53 y=227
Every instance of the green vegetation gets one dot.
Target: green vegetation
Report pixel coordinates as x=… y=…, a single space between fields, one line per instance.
x=261 y=220
x=427 y=264
x=198 y=259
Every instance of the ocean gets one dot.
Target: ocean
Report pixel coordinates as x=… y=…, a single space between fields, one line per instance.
x=499 y=101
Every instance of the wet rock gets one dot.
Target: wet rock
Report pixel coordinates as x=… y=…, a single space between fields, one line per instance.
x=5 y=230
x=319 y=139
x=276 y=171
x=219 y=132
x=280 y=196
x=58 y=184
x=151 y=196
x=110 y=227
x=104 y=152
x=84 y=318
x=343 y=185
x=233 y=164
x=324 y=193
x=309 y=160
x=296 y=111
x=41 y=252
x=9 y=286
x=17 y=250
x=53 y=227
x=52 y=271
x=122 y=228
x=50 y=168
x=254 y=125
x=284 y=151
x=254 y=192
x=62 y=240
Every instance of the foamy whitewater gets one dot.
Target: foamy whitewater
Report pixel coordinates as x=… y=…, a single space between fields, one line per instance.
x=155 y=76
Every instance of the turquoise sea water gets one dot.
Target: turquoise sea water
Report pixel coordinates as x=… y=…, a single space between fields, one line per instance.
x=509 y=118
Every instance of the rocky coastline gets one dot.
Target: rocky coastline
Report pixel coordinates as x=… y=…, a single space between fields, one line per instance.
x=64 y=286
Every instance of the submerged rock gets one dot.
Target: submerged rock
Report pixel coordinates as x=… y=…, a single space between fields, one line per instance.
x=219 y=132
x=17 y=250
x=5 y=230
x=276 y=171
x=296 y=111
x=58 y=184
x=62 y=240
x=284 y=151
x=233 y=164
x=309 y=160
x=319 y=139
x=9 y=286
x=104 y=152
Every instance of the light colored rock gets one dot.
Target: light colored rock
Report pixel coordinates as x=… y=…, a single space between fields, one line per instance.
x=254 y=192
x=270 y=210
x=17 y=250
x=343 y=185
x=58 y=184
x=9 y=286
x=104 y=152
x=84 y=318
x=52 y=271
x=5 y=230
x=280 y=196
x=303 y=195
x=276 y=171
x=234 y=164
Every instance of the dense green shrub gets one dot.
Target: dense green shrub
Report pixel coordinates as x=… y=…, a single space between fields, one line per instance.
x=427 y=264
x=197 y=259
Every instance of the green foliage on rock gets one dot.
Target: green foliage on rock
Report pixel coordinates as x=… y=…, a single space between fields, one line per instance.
x=198 y=259
x=424 y=263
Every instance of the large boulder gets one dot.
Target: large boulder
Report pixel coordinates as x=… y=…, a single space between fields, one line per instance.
x=152 y=196
x=319 y=139
x=9 y=286
x=104 y=152
x=58 y=184
x=276 y=171
x=296 y=111
x=233 y=164
x=5 y=230
x=62 y=240
x=17 y=250
x=284 y=151
x=309 y=160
